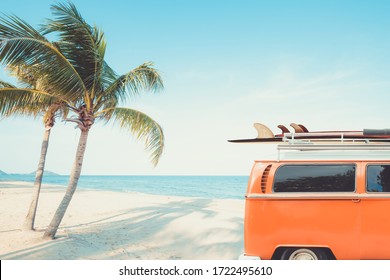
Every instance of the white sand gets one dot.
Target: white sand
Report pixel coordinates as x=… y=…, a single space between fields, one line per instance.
x=112 y=225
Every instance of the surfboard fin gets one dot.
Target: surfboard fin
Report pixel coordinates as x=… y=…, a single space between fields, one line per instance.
x=283 y=129
x=263 y=131
x=297 y=128
x=303 y=128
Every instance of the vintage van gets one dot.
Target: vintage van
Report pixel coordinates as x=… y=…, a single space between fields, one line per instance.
x=323 y=203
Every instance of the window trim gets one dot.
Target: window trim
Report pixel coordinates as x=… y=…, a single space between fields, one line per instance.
x=317 y=164
x=366 y=181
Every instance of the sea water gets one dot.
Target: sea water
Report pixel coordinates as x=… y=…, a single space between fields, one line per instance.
x=232 y=187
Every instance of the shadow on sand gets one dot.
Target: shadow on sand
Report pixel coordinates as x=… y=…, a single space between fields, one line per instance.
x=152 y=232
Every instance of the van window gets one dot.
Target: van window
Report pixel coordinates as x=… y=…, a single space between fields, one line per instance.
x=315 y=178
x=378 y=178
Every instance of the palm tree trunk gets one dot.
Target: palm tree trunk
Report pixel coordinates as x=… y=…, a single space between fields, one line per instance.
x=30 y=218
x=74 y=178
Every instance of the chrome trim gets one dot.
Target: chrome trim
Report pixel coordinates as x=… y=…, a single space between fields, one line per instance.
x=318 y=196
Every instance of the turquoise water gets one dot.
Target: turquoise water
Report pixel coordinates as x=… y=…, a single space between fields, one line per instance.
x=193 y=186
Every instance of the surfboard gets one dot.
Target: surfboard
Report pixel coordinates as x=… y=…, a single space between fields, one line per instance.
x=265 y=135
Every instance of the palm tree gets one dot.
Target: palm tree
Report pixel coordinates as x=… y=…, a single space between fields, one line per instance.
x=49 y=120
x=93 y=90
x=31 y=59
x=18 y=101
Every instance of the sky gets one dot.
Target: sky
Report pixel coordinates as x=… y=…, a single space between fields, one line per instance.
x=225 y=65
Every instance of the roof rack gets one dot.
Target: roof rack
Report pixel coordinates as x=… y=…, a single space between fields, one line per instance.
x=332 y=144
x=332 y=138
x=330 y=147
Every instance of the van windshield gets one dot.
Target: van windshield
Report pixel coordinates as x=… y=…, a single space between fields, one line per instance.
x=315 y=178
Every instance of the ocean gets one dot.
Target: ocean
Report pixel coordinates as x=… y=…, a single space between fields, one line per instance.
x=226 y=187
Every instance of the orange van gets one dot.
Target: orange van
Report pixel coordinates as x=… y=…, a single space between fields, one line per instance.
x=322 y=204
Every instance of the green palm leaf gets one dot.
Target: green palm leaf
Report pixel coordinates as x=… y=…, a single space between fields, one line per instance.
x=142 y=126
x=108 y=77
x=22 y=46
x=6 y=85
x=26 y=102
x=144 y=77
x=82 y=44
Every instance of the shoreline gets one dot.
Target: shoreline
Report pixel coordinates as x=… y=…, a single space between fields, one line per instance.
x=105 y=224
x=220 y=187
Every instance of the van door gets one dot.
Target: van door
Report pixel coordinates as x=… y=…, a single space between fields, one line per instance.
x=375 y=214
x=316 y=205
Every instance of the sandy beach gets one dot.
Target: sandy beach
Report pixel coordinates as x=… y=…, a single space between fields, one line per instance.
x=107 y=225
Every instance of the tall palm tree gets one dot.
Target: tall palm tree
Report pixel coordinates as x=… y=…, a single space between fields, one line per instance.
x=93 y=90
x=17 y=101
x=31 y=59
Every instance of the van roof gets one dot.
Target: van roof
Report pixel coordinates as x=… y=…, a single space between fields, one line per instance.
x=335 y=155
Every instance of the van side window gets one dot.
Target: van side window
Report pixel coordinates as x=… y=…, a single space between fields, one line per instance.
x=315 y=178
x=378 y=178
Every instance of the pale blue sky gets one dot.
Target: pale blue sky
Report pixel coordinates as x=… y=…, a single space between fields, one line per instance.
x=225 y=64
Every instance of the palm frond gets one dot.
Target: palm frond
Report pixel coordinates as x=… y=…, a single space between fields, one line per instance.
x=6 y=85
x=142 y=126
x=144 y=77
x=82 y=44
x=13 y=26
x=25 y=76
x=27 y=102
x=108 y=76
x=22 y=46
